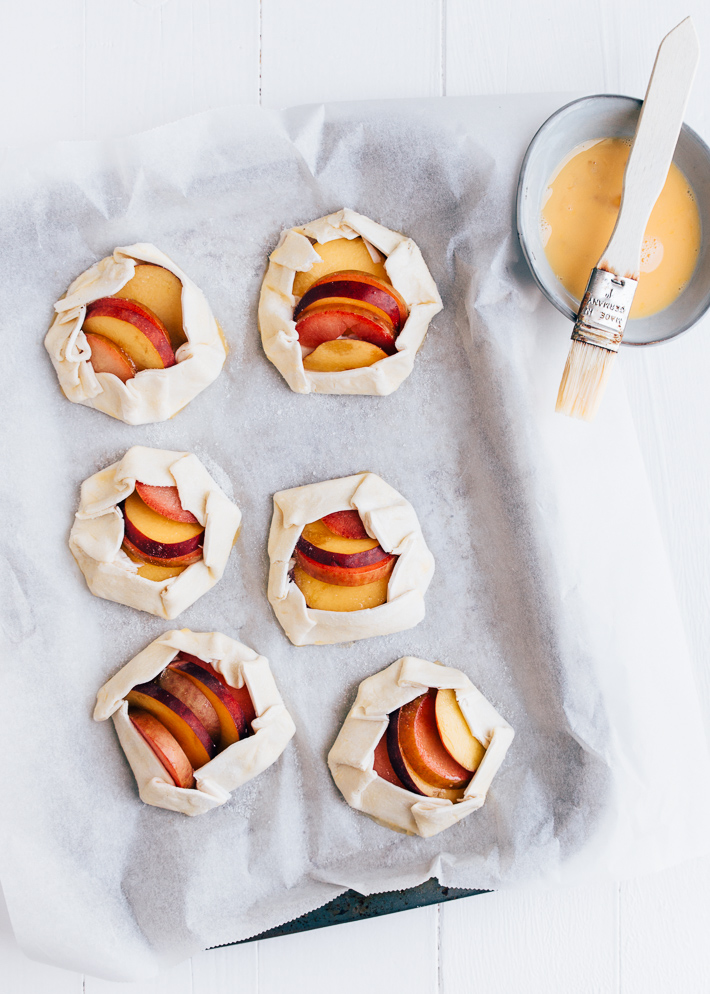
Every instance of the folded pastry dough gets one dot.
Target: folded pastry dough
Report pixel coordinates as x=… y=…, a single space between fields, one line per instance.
x=389 y=518
x=295 y=253
x=235 y=765
x=351 y=758
x=153 y=394
x=96 y=536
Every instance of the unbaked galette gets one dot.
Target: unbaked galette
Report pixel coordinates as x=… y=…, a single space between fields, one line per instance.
x=134 y=337
x=345 y=306
x=197 y=715
x=348 y=561
x=419 y=747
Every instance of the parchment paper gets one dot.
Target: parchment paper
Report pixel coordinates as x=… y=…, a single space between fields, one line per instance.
x=551 y=589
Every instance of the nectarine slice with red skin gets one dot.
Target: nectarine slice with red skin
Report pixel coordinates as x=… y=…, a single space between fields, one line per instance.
x=157 y=536
x=409 y=777
x=331 y=597
x=177 y=562
x=320 y=323
x=166 y=747
x=108 y=358
x=165 y=501
x=343 y=576
x=161 y=291
x=338 y=255
x=318 y=534
x=132 y=327
x=353 y=560
x=192 y=697
x=233 y=725
x=359 y=287
x=383 y=765
x=240 y=694
x=457 y=738
x=346 y=523
x=421 y=745
x=179 y=720
x=341 y=355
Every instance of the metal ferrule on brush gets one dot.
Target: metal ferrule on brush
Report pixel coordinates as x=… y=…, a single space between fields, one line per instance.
x=604 y=310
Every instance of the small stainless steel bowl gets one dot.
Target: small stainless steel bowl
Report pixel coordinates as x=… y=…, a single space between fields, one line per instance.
x=611 y=116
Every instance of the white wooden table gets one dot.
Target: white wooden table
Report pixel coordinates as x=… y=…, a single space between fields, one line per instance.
x=75 y=69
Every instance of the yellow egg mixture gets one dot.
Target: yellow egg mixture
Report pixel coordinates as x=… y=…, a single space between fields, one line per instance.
x=580 y=211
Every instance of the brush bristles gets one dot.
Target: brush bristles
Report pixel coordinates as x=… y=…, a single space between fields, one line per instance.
x=584 y=380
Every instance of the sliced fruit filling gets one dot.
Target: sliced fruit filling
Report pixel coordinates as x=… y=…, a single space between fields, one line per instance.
x=159 y=533
x=349 y=314
x=188 y=715
x=139 y=327
x=428 y=747
x=339 y=567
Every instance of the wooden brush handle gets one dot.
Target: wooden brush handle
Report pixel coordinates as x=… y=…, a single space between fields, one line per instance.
x=654 y=144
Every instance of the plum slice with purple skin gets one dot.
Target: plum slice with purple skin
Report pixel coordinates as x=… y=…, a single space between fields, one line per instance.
x=345 y=576
x=348 y=560
x=180 y=721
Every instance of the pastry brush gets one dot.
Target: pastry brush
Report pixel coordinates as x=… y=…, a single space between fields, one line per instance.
x=607 y=300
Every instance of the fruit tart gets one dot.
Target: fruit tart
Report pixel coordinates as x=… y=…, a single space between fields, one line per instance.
x=153 y=531
x=345 y=306
x=134 y=337
x=348 y=561
x=197 y=715
x=419 y=747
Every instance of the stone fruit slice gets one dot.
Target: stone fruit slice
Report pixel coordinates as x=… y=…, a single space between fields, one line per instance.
x=323 y=323
x=420 y=744
x=383 y=765
x=108 y=358
x=161 y=291
x=165 y=746
x=348 y=524
x=181 y=562
x=156 y=536
x=340 y=254
x=233 y=725
x=317 y=533
x=179 y=720
x=352 y=560
x=192 y=697
x=240 y=694
x=343 y=354
x=366 y=290
x=329 y=597
x=454 y=732
x=166 y=501
x=345 y=576
x=133 y=328
x=406 y=773
x=149 y=570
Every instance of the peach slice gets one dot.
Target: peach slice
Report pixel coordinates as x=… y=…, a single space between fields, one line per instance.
x=348 y=524
x=329 y=597
x=337 y=288
x=383 y=765
x=420 y=744
x=342 y=354
x=166 y=501
x=322 y=323
x=156 y=536
x=454 y=732
x=338 y=255
x=240 y=694
x=233 y=725
x=319 y=534
x=149 y=570
x=409 y=777
x=344 y=576
x=164 y=562
x=108 y=358
x=133 y=328
x=165 y=746
x=161 y=291
x=192 y=697
x=179 y=720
